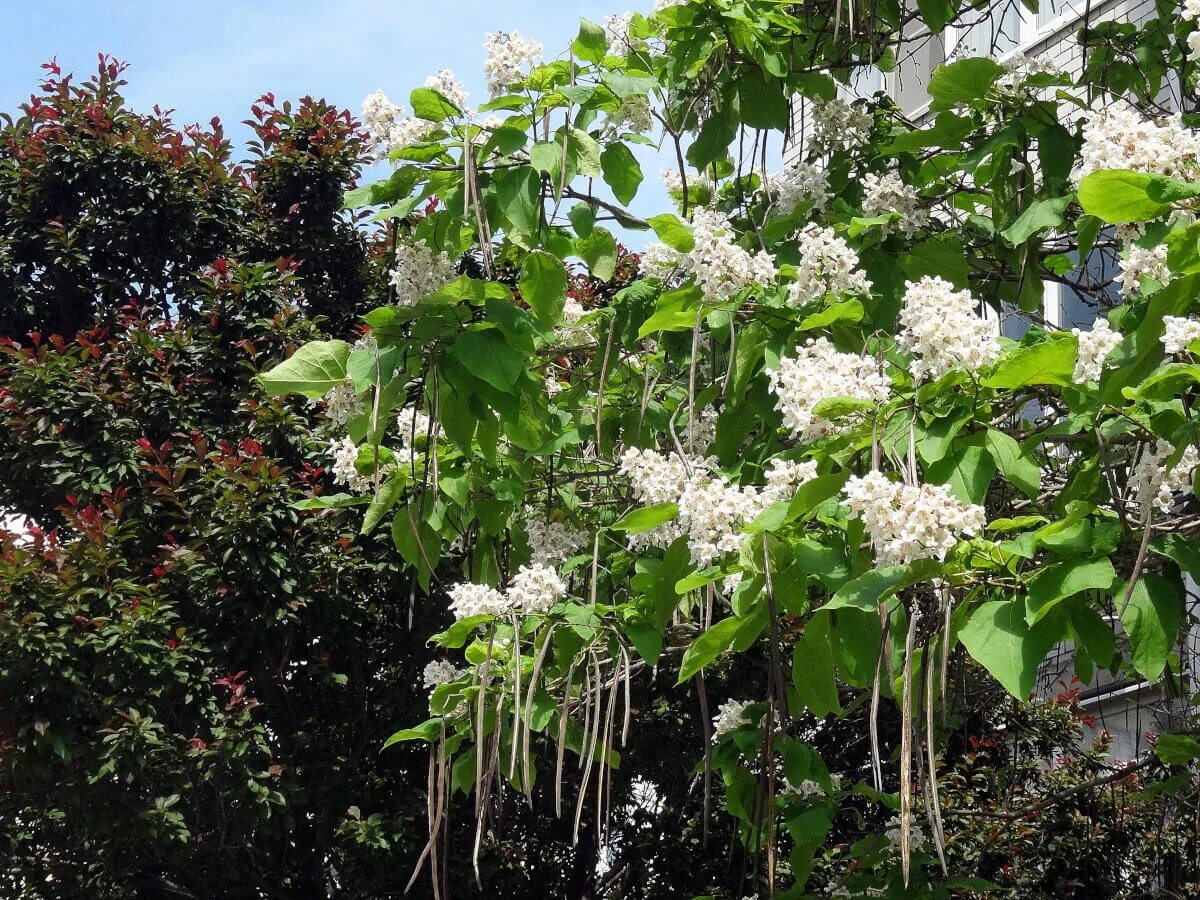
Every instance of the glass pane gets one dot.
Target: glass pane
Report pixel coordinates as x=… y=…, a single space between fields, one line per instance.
x=1051 y=10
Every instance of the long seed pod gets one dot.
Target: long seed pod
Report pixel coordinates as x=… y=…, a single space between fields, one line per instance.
x=597 y=688
x=536 y=672
x=933 y=804
x=906 y=751
x=562 y=739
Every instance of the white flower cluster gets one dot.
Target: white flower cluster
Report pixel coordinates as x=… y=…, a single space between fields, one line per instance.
x=414 y=426
x=887 y=193
x=1094 y=347
x=551 y=541
x=617 y=28
x=672 y=181
x=389 y=127
x=731 y=715
x=532 y=591
x=1151 y=483
x=838 y=126
x=916 y=835
x=704 y=432
x=712 y=512
x=660 y=261
x=798 y=183
x=570 y=331
x=1143 y=262
x=817 y=372
x=907 y=522
x=941 y=330
x=722 y=268
x=345 y=453
x=509 y=59
x=419 y=271
x=449 y=87
x=808 y=788
x=827 y=266
x=1019 y=67
x=1190 y=12
x=1119 y=137
x=1178 y=333
x=342 y=402
x=660 y=5
x=632 y=115
x=439 y=672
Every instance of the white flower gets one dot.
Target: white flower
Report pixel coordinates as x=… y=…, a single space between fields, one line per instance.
x=838 y=126
x=827 y=266
x=731 y=715
x=509 y=59
x=660 y=5
x=942 y=332
x=467 y=599
x=449 y=87
x=1190 y=10
x=721 y=267
x=414 y=426
x=570 y=331
x=1119 y=137
x=534 y=589
x=657 y=260
x=1194 y=43
x=818 y=372
x=906 y=522
x=342 y=402
x=916 y=835
x=1142 y=262
x=632 y=115
x=1178 y=333
x=731 y=582
x=1094 y=347
x=345 y=453
x=551 y=541
x=1019 y=67
x=887 y=193
x=617 y=28
x=389 y=128
x=798 y=183
x=419 y=271
x=672 y=180
x=805 y=789
x=439 y=672
x=1152 y=484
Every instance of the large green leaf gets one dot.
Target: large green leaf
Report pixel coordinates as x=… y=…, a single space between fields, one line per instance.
x=621 y=170
x=432 y=106
x=1056 y=583
x=647 y=517
x=592 y=43
x=999 y=639
x=672 y=232
x=311 y=371
x=1047 y=359
x=813 y=668
x=485 y=354
x=1152 y=621
x=544 y=285
x=1118 y=196
x=1014 y=464
x=963 y=81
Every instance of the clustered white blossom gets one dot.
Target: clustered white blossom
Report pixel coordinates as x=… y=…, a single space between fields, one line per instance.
x=439 y=672
x=941 y=330
x=1119 y=137
x=345 y=453
x=704 y=431
x=660 y=261
x=389 y=127
x=816 y=372
x=916 y=835
x=342 y=402
x=1142 y=262
x=672 y=180
x=510 y=57
x=414 y=426
x=721 y=267
x=550 y=540
x=908 y=522
x=617 y=28
x=449 y=87
x=1178 y=333
x=1019 y=67
x=632 y=115
x=467 y=599
x=532 y=591
x=419 y=271
x=570 y=331
x=712 y=512
x=1094 y=347
x=1190 y=12
x=1152 y=484
x=838 y=126
x=799 y=182
x=731 y=715
x=827 y=266
x=887 y=193
x=808 y=787
x=660 y=5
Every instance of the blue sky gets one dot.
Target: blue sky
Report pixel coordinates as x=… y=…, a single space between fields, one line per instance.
x=214 y=58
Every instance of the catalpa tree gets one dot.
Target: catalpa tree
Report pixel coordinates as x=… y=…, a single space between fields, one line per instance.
x=797 y=436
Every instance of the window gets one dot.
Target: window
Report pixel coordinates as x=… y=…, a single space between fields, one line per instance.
x=1050 y=11
x=998 y=34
